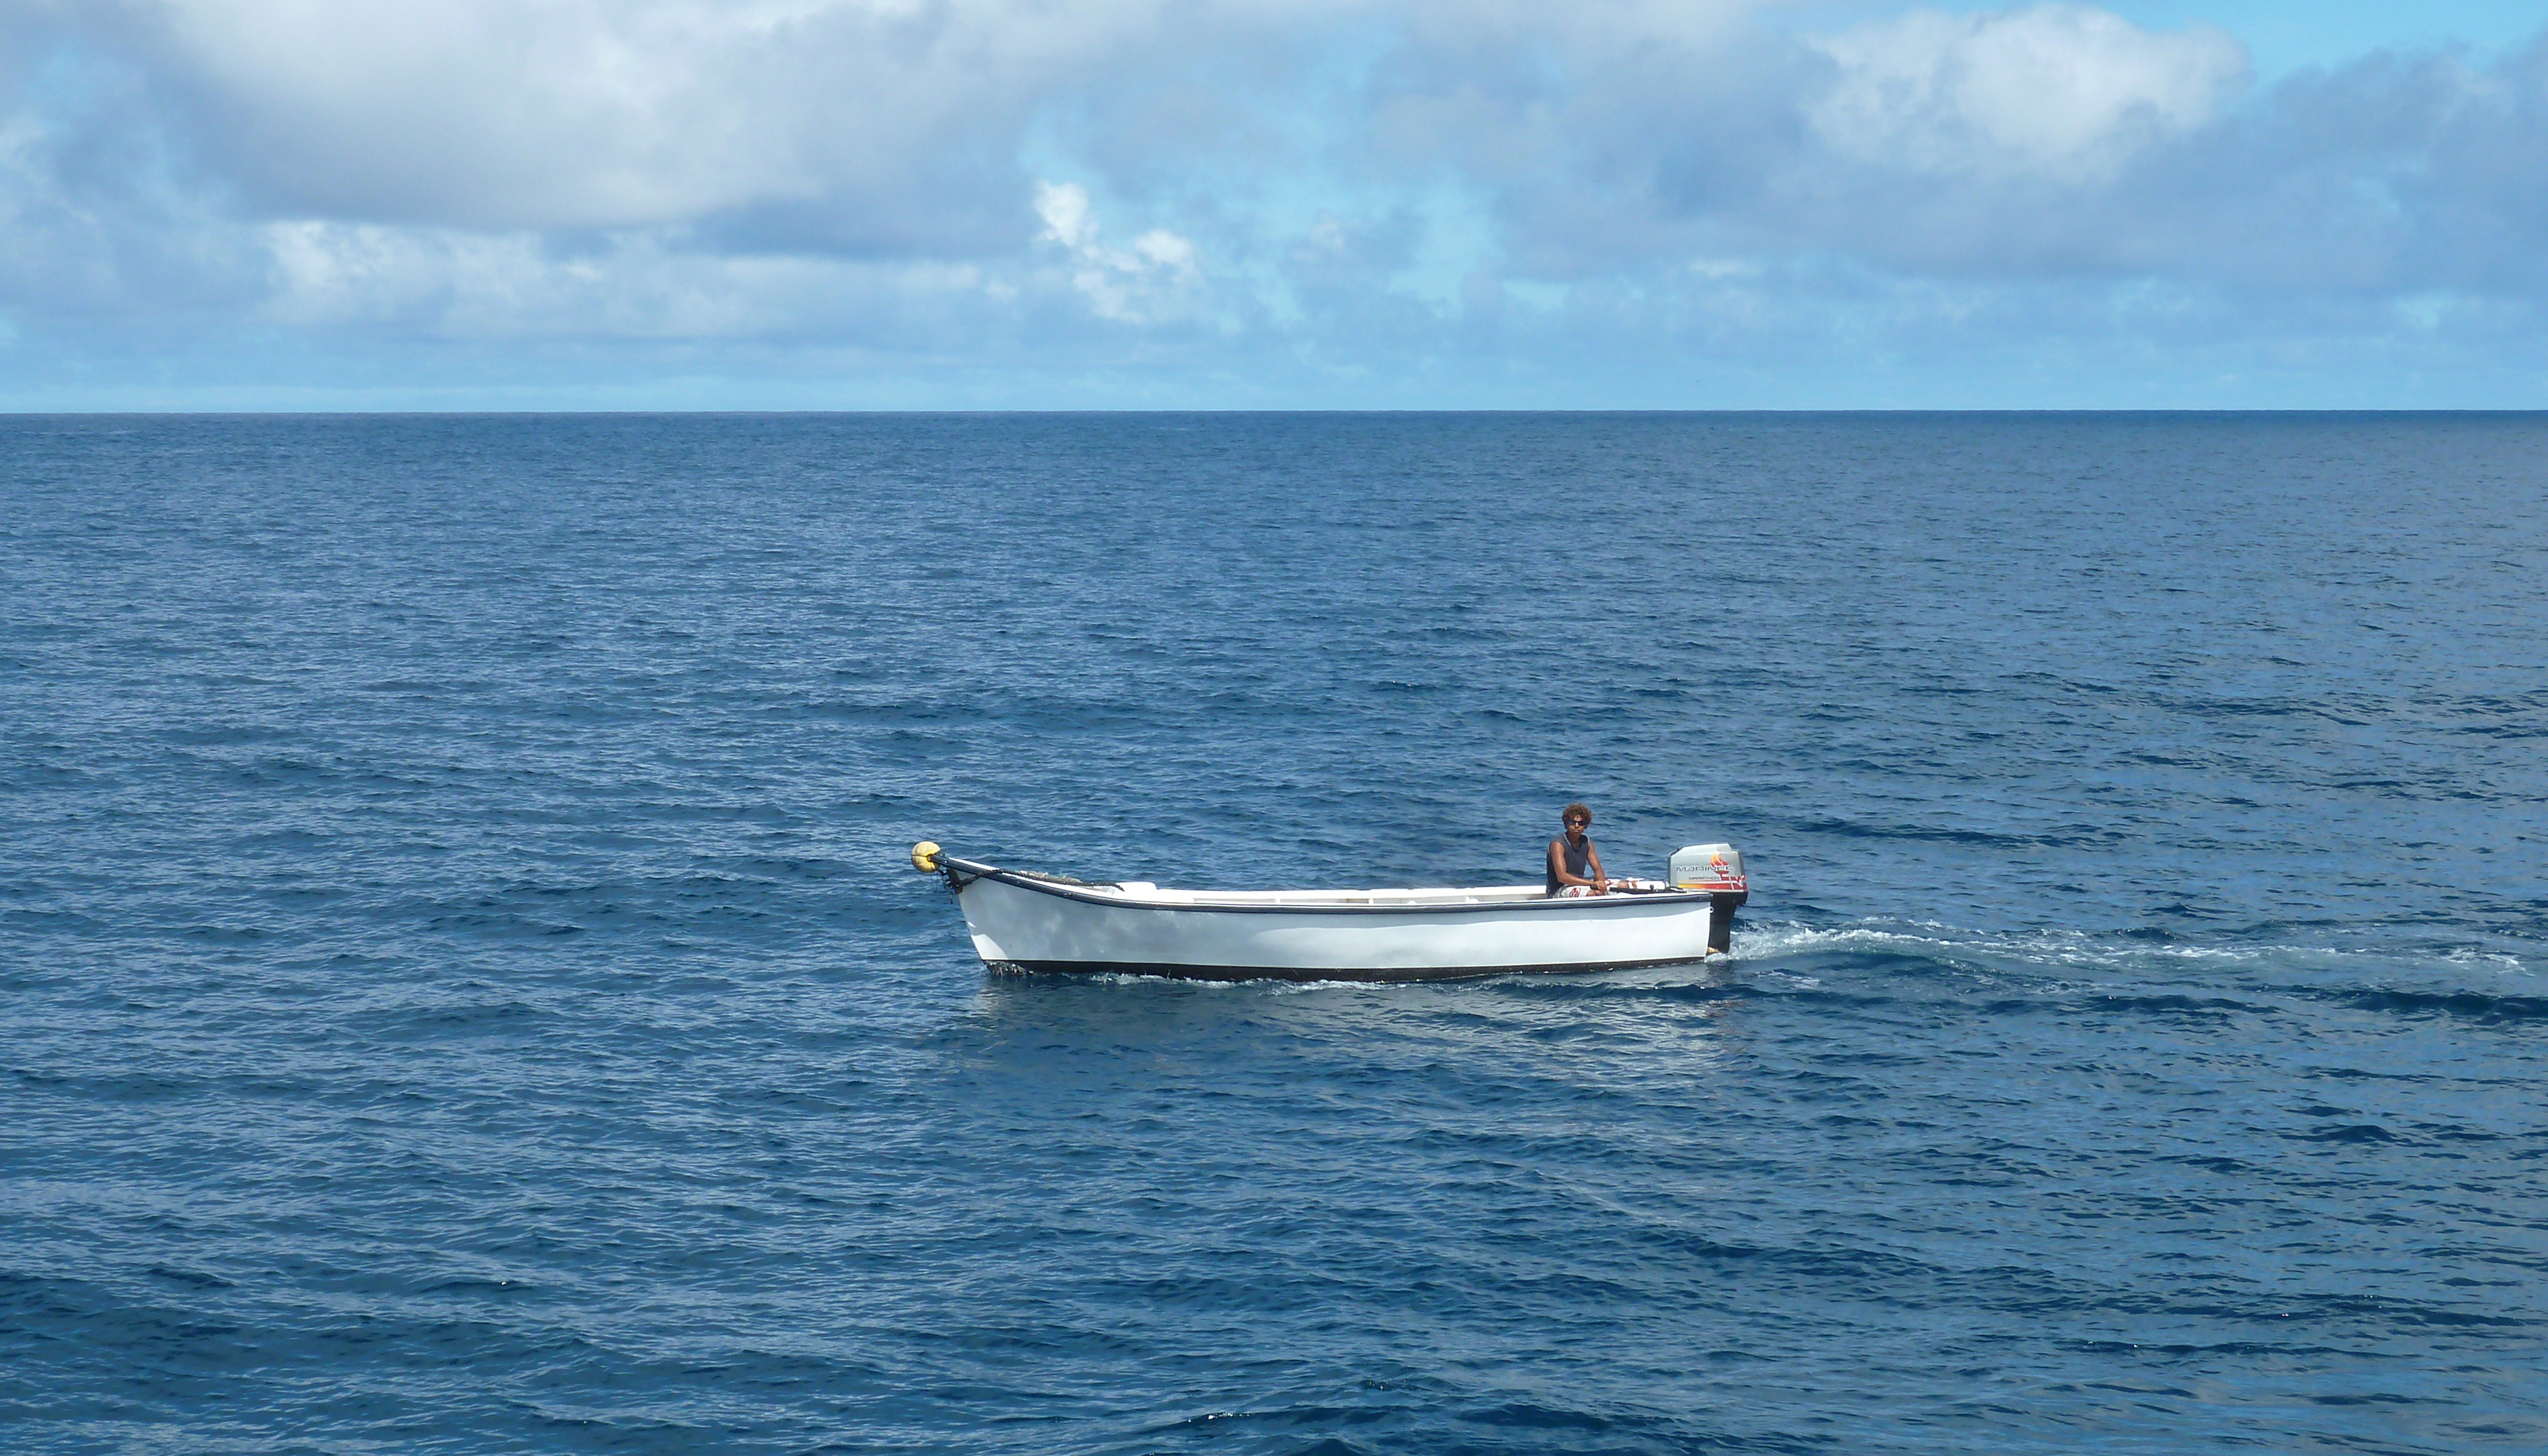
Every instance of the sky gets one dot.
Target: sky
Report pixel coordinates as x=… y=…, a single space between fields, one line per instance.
x=1240 y=204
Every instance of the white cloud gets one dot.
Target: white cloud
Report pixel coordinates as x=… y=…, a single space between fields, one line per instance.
x=1154 y=278
x=892 y=115
x=452 y=283
x=2059 y=91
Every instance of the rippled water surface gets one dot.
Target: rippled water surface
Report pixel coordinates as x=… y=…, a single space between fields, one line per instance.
x=465 y=993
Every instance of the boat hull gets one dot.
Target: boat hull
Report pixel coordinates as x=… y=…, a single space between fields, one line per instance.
x=1036 y=923
x=1180 y=971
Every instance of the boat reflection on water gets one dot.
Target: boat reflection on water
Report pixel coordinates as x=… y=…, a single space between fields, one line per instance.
x=1093 y=1030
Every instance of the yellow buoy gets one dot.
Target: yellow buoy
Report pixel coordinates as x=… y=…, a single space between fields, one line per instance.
x=924 y=857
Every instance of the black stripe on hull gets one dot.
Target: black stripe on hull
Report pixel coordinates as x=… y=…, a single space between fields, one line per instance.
x=1290 y=973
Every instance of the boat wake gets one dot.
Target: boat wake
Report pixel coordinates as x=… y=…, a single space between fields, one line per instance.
x=2050 y=949
x=2001 y=970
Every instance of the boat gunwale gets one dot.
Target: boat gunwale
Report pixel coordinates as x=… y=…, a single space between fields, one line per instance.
x=1092 y=894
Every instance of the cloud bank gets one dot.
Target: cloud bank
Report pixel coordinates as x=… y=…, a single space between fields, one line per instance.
x=1440 y=202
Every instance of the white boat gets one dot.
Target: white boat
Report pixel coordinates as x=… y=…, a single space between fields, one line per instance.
x=1022 y=920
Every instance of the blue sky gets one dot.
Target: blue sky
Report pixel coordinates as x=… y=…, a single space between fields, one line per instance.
x=1036 y=204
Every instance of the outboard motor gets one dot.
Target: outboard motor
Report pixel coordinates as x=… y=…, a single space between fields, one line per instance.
x=1717 y=869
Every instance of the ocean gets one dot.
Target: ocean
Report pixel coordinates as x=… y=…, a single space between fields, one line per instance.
x=465 y=990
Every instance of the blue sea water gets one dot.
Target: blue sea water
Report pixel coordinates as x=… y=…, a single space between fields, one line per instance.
x=465 y=993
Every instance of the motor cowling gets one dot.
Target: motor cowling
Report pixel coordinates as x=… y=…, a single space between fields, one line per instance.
x=1716 y=869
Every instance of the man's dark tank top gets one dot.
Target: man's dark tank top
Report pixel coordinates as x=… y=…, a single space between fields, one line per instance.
x=1579 y=863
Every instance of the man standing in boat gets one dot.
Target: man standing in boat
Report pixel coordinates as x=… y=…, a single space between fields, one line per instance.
x=1574 y=866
